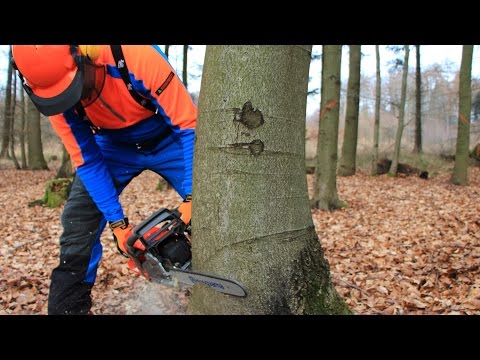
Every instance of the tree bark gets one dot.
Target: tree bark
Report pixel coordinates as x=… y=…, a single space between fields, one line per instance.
x=401 y=116
x=23 y=130
x=325 y=195
x=376 y=127
x=12 y=124
x=418 y=105
x=460 y=169
x=66 y=169
x=251 y=220
x=347 y=165
x=185 y=66
x=36 y=160
x=8 y=111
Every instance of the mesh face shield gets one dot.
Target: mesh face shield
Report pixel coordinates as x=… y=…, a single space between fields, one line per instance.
x=93 y=81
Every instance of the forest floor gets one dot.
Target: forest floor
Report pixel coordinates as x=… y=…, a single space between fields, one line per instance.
x=403 y=246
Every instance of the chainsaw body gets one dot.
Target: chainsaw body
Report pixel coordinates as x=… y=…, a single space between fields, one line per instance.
x=165 y=256
x=163 y=235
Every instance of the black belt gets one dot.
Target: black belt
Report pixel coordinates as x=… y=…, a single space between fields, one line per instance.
x=150 y=144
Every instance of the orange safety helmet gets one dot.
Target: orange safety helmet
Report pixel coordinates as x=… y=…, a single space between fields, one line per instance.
x=55 y=76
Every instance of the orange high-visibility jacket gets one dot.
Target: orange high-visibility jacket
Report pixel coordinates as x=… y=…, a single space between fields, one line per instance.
x=115 y=112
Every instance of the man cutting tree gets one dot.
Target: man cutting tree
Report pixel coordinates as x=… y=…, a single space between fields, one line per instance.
x=119 y=110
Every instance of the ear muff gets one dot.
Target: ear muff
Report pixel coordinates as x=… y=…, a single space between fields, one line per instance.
x=90 y=51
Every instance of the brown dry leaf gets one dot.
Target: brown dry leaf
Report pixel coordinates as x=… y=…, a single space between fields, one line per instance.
x=423 y=240
x=411 y=245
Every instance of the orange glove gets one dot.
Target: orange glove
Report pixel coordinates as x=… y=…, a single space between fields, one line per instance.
x=122 y=230
x=185 y=210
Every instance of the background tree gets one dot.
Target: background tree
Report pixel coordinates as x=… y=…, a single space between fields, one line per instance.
x=376 y=126
x=8 y=110
x=401 y=116
x=476 y=106
x=36 y=160
x=347 y=164
x=325 y=194
x=66 y=169
x=167 y=49
x=418 y=104
x=12 y=121
x=460 y=170
x=251 y=218
x=23 y=130
x=185 y=66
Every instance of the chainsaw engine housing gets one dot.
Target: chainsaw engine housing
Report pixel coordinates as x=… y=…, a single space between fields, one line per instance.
x=175 y=251
x=166 y=244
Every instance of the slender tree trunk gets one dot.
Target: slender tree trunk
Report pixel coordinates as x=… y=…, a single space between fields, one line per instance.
x=36 y=160
x=325 y=195
x=460 y=169
x=347 y=164
x=251 y=221
x=66 y=169
x=12 y=124
x=8 y=110
x=376 y=127
x=185 y=67
x=401 y=116
x=23 y=130
x=418 y=105
x=167 y=48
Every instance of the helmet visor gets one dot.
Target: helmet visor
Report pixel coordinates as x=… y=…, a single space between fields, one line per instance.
x=86 y=86
x=93 y=81
x=61 y=102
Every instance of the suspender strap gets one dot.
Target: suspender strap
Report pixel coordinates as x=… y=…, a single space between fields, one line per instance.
x=81 y=112
x=122 y=67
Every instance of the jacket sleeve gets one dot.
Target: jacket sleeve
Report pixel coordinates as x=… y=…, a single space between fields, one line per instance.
x=89 y=163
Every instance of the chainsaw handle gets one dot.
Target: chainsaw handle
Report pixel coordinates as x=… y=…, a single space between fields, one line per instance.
x=145 y=226
x=130 y=241
x=157 y=217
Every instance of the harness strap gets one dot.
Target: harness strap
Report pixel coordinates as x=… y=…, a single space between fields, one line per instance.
x=81 y=112
x=123 y=69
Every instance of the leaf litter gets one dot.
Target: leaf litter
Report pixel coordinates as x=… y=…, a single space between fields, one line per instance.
x=403 y=246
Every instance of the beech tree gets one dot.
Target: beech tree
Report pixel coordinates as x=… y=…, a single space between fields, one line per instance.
x=251 y=219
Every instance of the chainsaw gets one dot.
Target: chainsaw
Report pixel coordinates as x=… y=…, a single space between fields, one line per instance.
x=166 y=255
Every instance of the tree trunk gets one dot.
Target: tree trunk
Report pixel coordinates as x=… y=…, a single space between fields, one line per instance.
x=66 y=169
x=23 y=130
x=12 y=124
x=8 y=110
x=325 y=195
x=347 y=165
x=251 y=221
x=185 y=67
x=167 y=48
x=36 y=160
x=460 y=169
x=376 y=128
x=401 y=116
x=418 y=105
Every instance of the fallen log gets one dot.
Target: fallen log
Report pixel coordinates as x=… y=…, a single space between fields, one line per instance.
x=383 y=166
